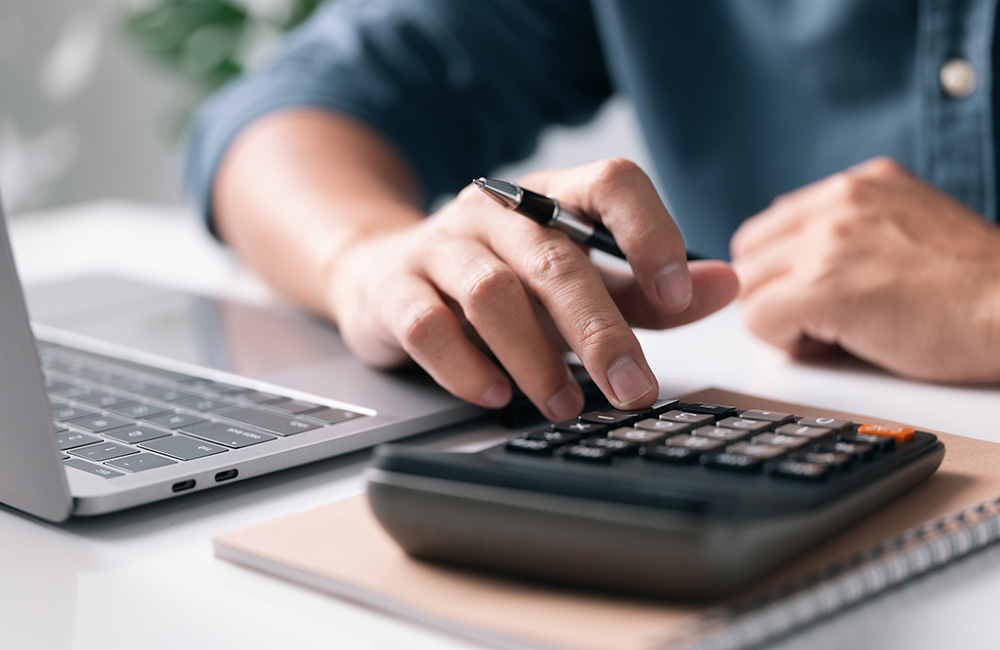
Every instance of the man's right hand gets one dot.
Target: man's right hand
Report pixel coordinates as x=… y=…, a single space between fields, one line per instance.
x=475 y=286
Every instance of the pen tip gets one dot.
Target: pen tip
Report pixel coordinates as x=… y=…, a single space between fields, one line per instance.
x=479 y=182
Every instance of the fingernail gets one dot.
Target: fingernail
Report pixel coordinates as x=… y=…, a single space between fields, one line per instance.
x=566 y=404
x=628 y=381
x=496 y=396
x=673 y=286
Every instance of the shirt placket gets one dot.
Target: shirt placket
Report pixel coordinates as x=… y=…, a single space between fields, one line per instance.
x=956 y=148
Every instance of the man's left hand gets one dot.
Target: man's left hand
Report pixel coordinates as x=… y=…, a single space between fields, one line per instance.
x=879 y=263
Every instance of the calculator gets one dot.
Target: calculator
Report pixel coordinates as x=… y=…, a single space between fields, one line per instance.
x=683 y=500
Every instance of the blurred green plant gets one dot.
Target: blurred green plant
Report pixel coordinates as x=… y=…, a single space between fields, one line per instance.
x=208 y=42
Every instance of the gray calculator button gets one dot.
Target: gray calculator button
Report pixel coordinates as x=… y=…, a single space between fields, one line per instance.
x=689 y=418
x=783 y=441
x=141 y=462
x=763 y=452
x=721 y=433
x=768 y=416
x=743 y=424
x=636 y=435
x=103 y=451
x=812 y=433
x=182 y=447
x=71 y=439
x=695 y=442
x=829 y=423
x=99 y=470
x=230 y=435
x=666 y=426
x=136 y=434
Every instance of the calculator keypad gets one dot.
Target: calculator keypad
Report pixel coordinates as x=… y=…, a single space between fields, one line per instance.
x=716 y=436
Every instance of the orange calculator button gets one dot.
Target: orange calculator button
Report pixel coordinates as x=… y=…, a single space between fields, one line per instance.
x=901 y=434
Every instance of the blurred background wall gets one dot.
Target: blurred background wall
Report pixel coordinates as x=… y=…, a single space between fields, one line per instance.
x=94 y=95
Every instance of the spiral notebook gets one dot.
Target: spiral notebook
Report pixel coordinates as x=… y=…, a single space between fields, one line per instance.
x=340 y=549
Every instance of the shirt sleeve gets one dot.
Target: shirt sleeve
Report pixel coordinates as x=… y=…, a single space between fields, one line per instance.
x=457 y=86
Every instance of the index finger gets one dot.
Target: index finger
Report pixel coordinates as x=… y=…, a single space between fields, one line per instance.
x=620 y=195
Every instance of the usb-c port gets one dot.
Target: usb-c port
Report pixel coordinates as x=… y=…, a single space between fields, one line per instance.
x=183 y=485
x=226 y=475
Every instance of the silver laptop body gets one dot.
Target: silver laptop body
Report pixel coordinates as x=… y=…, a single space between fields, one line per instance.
x=193 y=344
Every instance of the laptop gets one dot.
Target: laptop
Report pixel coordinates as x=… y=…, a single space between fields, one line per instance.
x=119 y=394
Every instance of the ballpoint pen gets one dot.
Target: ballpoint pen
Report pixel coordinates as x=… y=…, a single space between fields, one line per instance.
x=545 y=210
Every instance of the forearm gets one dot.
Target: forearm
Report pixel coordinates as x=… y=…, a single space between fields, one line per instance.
x=298 y=188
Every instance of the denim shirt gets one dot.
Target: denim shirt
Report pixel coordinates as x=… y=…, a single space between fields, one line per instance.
x=739 y=100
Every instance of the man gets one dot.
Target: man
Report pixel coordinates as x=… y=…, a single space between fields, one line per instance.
x=319 y=169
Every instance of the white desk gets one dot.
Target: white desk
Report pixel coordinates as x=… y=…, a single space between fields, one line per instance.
x=148 y=579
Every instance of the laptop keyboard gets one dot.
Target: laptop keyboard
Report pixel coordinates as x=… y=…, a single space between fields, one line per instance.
x=115 y=417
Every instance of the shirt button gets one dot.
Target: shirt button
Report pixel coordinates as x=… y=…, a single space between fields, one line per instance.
x=958 y=78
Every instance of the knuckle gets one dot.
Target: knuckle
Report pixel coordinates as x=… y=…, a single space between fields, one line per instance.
x=552 y=261
x=883 y=166
x=422 y=325
x=612 y=172
x=488 y=284
x=596 y=332
x=852 y=189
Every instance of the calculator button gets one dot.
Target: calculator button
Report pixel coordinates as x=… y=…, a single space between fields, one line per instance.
x=768 y=416
x=860 y=450
x=780 y=440
x=833 y=459
x=714 y=410
x=802 y=470
x=743 y=424
x=828 y=423
x=581 y=427
x=695 y=419
x=670 y=453
x=901 y=434
x=638 y=435
x=526 y=445
x=614 y=445
x=763 y=452
x=721 y=433
x=728 y=460
x=880 y=442
x=697 y=443
x=555 y=437
x=661 y=406
x=813 y=433
x=610 y=416
x=594 y=454
x=666 y=426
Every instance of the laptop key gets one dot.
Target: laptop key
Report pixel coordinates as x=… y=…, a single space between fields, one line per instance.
x=71 y=439
x=204 y=404
x=230 y=435
x=182 y=447
x=138 y=410
x=102 y=400
x=270 y=422
x=141 y=462
x=63 y=412
x=294 y=406
x=103 y=451
x=175 y=420
x=101 y=423
x=136 y=434
x=333 y=416
x=99 y=470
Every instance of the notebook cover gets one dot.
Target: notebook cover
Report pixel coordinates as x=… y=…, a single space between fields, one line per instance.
x=340 y=548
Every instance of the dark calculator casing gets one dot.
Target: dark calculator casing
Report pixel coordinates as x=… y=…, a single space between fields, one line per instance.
x=630 y=524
